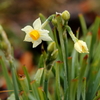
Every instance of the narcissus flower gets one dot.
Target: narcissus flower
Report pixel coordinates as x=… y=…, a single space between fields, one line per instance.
x=81 y=46
x=36 y=33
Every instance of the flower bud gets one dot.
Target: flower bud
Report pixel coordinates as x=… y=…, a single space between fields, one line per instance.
x=65 y=15
x=54 y=21
x=51 y=47
x=54 y=54
x=81 y=46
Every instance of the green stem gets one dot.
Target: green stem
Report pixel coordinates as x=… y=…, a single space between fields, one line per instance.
x=14 y=81
x=46 y=86
x=71 y=34
x=47 y=21
x=46 y=82
x=57 y=44
x=58 y=91
x=60 y=32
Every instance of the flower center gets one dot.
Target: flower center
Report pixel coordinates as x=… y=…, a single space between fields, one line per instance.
x=84 y=49
x=34 y=34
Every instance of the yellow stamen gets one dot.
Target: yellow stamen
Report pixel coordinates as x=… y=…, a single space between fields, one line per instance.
x=34 y=34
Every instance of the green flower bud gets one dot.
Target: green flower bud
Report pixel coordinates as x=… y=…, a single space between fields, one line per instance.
x=54 y=54
x=54 y=21
x=51 y=47
x=65 y=15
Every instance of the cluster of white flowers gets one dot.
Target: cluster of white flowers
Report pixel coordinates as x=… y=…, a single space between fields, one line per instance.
x=36 y=34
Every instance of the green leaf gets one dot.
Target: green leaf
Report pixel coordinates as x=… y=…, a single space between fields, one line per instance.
x=24 y=86
x=84 y=89
x=69 y=69
x=58 y=90
x=75 y=64
x=73 y=88
x=27 y=76
x=88 y=39
x=83 y=24
x=94 y=87
x=35 y=91
x=11 y=97
x=80 y=77
x=94 y=30
x=41 y=94
x=31 y=97
x=6 y=75
x=38 y=76
x=97 y=97
x=14 y=78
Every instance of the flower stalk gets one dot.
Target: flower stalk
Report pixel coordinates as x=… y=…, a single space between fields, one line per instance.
x=60 y=32
x=47 y=21
x=79 y=45
x=71 y=34
x=50 y=58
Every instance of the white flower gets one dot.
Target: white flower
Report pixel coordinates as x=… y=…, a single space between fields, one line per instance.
x=81 y=46
x=36 y=34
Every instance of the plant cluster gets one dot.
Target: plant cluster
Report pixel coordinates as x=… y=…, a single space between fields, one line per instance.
x=64 y=73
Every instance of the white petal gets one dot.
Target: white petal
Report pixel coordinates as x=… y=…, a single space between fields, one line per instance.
x=82 y=42
x=58 y=13
x=77 y=47
x=37 y=24
x=45 y=37
x=44 y=31
x=36 y=43
x=28 y=38
x=27 y=29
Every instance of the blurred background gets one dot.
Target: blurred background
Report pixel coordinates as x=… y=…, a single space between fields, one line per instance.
x=15 y=14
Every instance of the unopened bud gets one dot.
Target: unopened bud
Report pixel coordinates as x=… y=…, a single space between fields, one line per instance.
x=65 y=15
x=51 y=47
x=54 y=54
x=81 y=46
x=54 y=21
